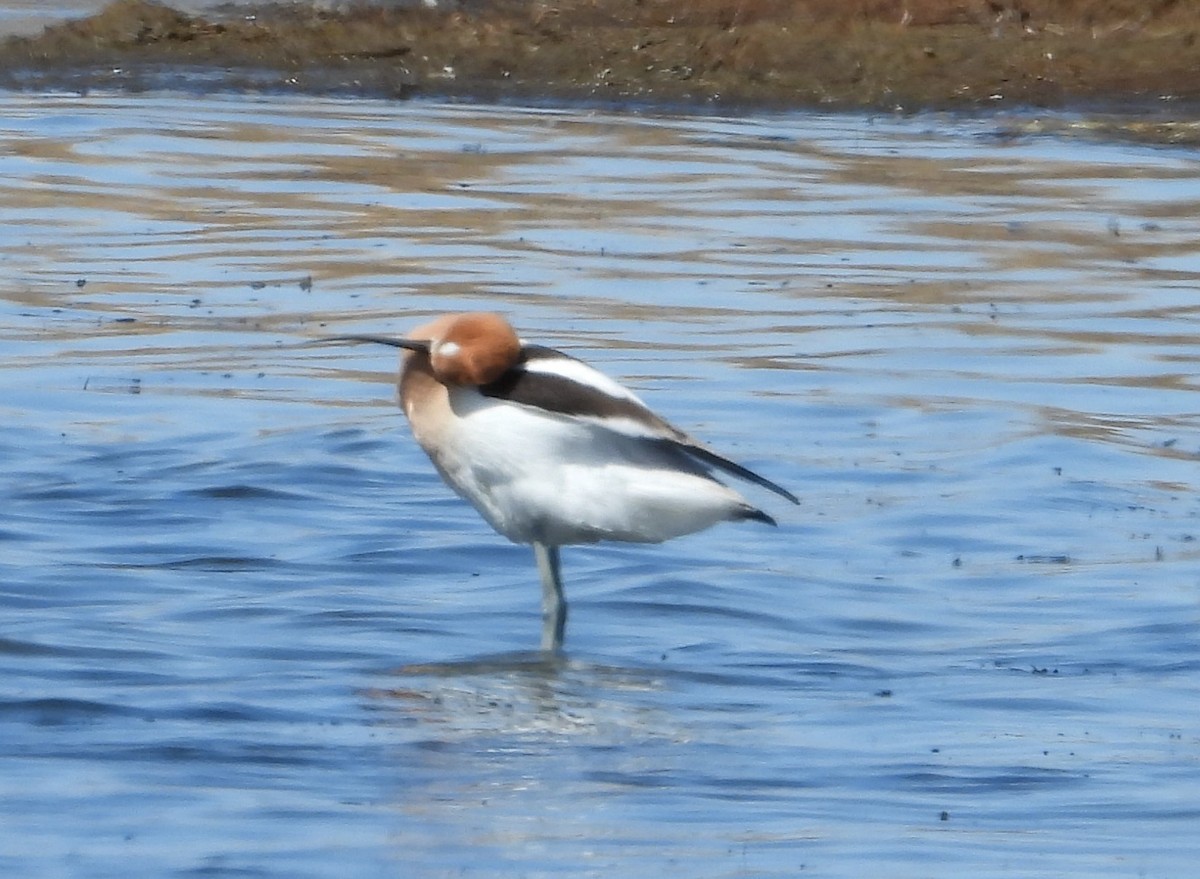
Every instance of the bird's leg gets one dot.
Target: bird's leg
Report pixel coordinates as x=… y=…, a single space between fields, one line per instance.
x=554 y=604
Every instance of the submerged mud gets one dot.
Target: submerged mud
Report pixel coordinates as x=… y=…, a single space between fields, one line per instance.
x=913 y=55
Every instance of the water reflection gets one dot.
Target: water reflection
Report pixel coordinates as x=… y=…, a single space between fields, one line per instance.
x=235 y=595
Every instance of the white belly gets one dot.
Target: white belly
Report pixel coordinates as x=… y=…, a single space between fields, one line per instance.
x=551 y=479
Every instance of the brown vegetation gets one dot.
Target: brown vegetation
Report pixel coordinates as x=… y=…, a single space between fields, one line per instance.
x=906 y=54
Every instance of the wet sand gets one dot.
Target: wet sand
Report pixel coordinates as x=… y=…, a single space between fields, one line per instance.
x=876 y=54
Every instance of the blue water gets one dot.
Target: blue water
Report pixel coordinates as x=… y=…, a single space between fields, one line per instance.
x=247 y=632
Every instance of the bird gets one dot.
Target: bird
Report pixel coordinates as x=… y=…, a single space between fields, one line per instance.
x=552 y=452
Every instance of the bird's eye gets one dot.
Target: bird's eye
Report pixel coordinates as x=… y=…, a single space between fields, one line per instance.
x=446 y=349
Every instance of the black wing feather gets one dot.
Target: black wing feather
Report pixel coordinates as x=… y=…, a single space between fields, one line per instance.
x=564 y=396
x=712 y=459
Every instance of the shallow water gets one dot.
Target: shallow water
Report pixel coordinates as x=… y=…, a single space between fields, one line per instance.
x=248 y=632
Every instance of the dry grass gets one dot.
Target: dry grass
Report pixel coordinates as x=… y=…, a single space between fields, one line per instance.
x=877 y=53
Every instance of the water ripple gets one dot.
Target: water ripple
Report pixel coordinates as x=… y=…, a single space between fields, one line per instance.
x=248 y=632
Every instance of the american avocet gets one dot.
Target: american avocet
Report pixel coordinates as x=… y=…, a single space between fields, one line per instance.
x=552 y=452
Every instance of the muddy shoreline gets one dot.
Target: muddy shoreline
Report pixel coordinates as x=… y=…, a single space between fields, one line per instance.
x=1139 y=56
